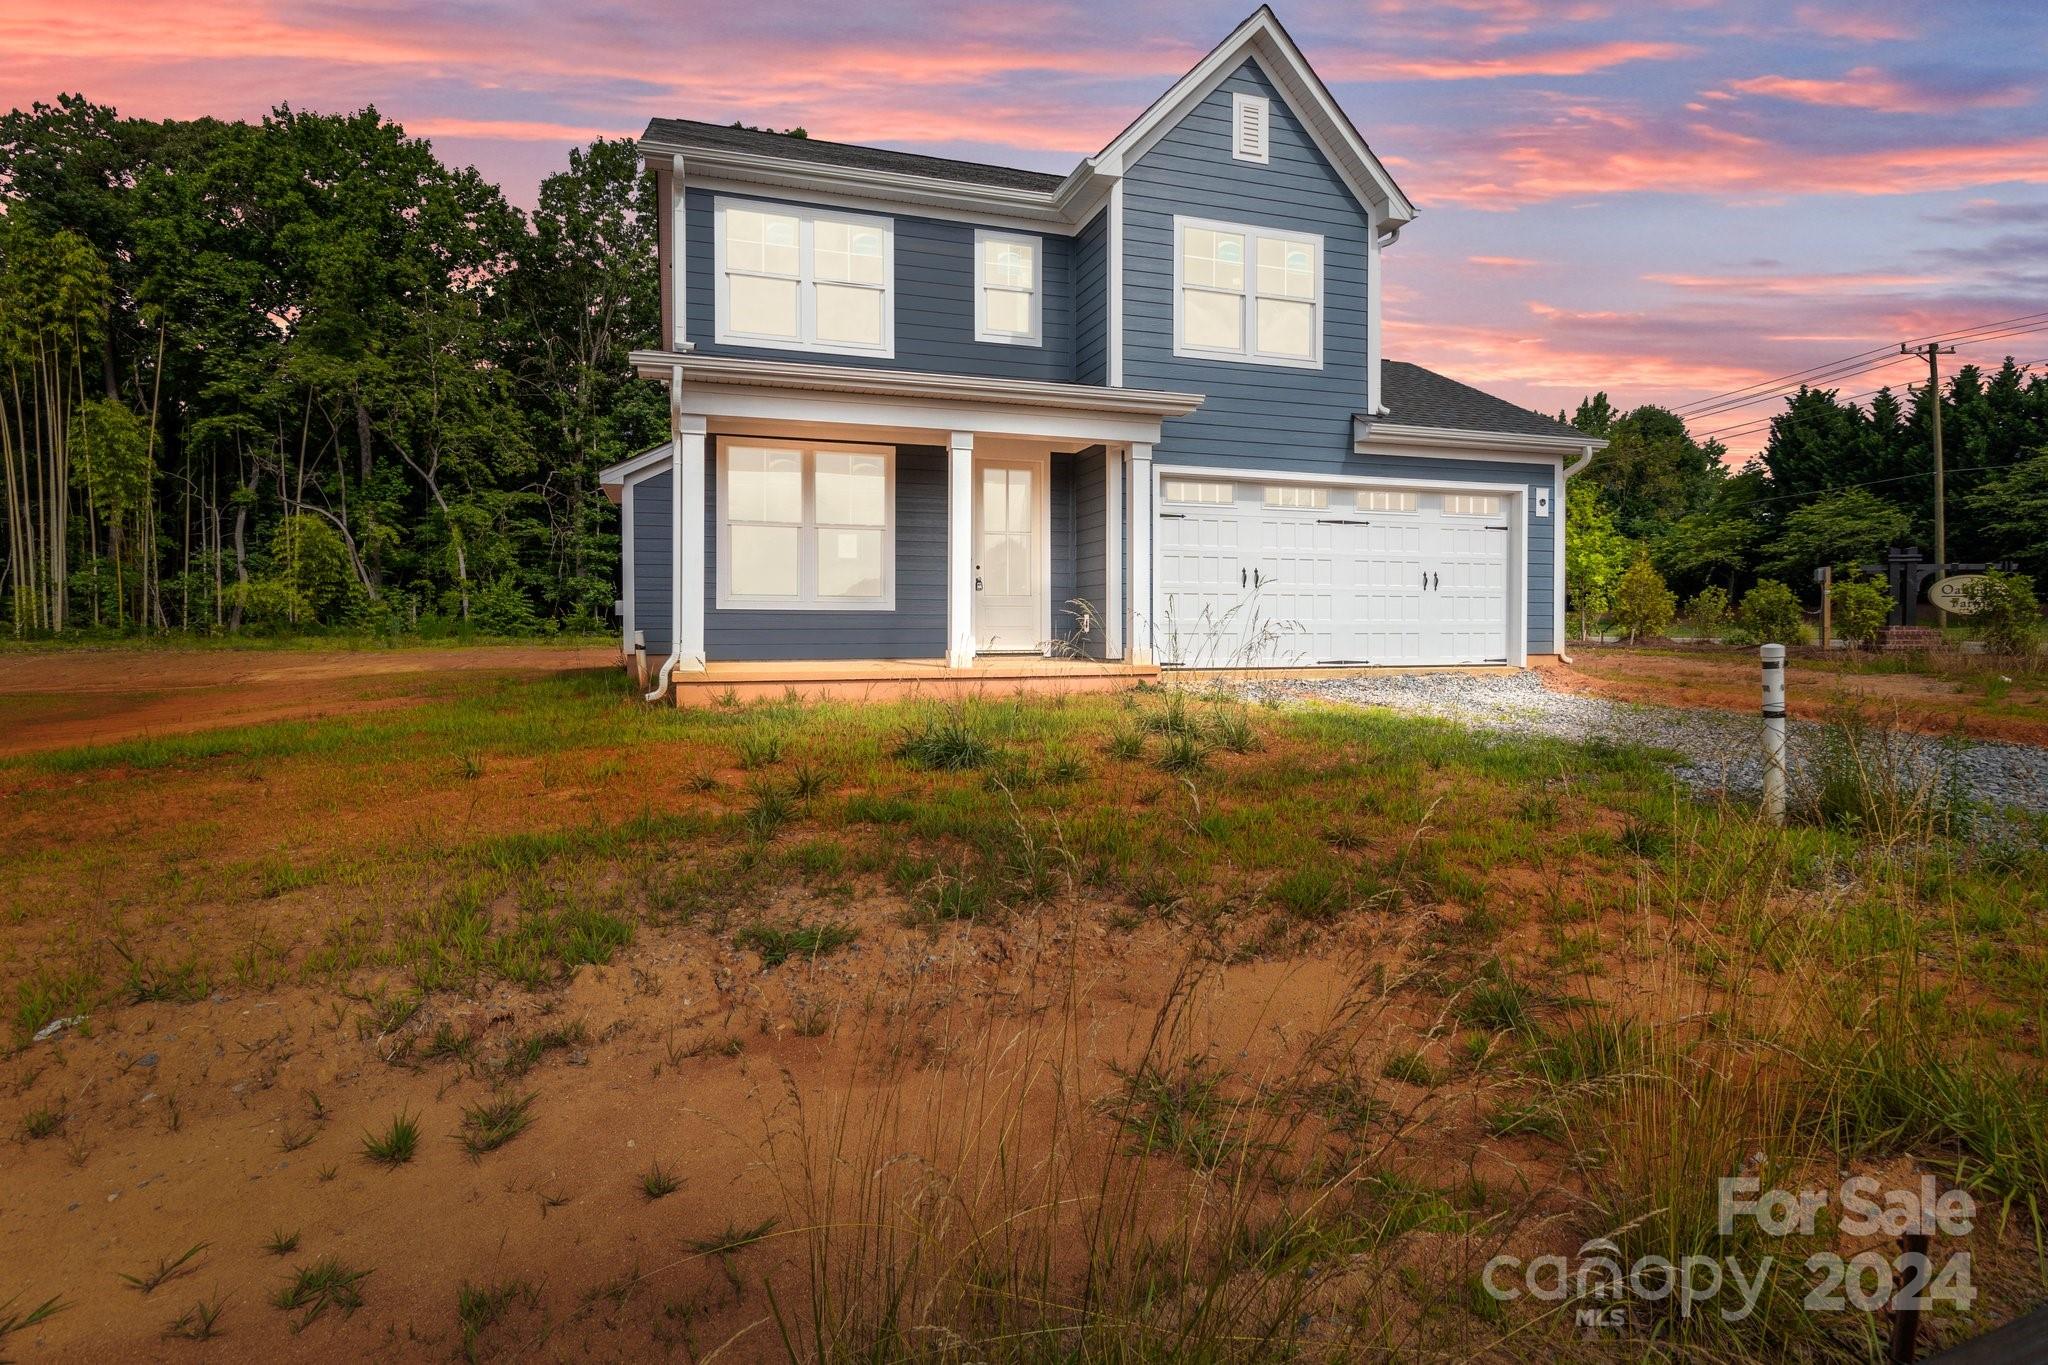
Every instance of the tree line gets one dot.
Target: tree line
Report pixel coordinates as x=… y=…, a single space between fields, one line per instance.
x=1836 y=485
x=301 y=374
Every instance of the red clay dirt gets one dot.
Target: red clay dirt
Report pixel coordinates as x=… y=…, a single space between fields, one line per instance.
x=64 y=698
x=1931 y=702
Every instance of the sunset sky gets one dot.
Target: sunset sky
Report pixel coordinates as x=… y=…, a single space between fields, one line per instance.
x=1664 y=200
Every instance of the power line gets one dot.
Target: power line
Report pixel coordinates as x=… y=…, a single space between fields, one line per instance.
x=1849 y=370
x=1685 y=409
x=1754 y=424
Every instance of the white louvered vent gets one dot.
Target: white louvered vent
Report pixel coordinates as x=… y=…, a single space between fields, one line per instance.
x=1248 y=127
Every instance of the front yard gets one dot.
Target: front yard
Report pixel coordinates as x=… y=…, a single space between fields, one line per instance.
x=513 y=1017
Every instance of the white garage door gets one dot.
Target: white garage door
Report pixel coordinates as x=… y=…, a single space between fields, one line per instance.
x=1255 y=575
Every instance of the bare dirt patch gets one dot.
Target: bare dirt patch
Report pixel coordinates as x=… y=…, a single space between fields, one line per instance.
x=1928 y=703
x=61 y=698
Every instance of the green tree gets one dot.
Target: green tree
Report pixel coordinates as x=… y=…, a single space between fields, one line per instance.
x=1771 y=614
x=1842 y=528
x=1642 y=604
x=1708 y=609
x=2005 y=611
x=1594 y=556
x=1860 y=607
x=2010 y=510
x=1653 y=472
x=116 y=471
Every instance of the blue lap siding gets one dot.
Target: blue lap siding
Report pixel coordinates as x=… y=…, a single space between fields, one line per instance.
x=934 y=289
x=1276 y=417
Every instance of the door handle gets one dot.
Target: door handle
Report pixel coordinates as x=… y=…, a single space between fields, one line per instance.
x=1425 y=580
x=1243 y=576
x=1435 y=581
x=977 y=582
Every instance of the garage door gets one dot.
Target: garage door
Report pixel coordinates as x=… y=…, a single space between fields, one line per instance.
x=1254 y=575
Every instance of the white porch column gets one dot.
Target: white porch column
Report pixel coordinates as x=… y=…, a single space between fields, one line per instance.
x=1138 y=505
x=686 y=496
x=1113 y=553
x=960 y=549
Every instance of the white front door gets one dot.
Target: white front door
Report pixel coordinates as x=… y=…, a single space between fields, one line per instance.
x=1010 y=572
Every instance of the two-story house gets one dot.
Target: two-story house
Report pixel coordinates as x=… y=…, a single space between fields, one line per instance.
x=962 y=416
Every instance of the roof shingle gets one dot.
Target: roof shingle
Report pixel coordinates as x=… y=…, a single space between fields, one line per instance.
x=1416 y=397
x=684 y=132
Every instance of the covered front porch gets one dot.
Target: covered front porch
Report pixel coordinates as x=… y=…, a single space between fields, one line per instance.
x=847 y=531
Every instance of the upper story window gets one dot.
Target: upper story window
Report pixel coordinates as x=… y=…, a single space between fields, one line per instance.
x=805 y=279
x=1248 y=128
x=1009 y=292
x=1247 y=293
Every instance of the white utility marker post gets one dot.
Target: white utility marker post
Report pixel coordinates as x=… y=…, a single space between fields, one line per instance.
x=1774 y=733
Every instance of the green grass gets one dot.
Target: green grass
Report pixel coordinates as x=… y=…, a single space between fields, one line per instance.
x=491 y=1124
x=167 y=1268
x=396 y=1144
x=656 y=1183
x=778 y=943
x=313 y=1289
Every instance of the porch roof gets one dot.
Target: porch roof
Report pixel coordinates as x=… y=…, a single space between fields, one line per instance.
x=801 y=398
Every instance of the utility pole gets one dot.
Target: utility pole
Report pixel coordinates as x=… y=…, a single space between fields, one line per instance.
x=1934 y=352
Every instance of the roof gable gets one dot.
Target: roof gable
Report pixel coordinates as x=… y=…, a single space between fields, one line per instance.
x=1263 y=40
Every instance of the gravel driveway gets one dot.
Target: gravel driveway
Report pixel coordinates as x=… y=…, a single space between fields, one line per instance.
x=1721 y=748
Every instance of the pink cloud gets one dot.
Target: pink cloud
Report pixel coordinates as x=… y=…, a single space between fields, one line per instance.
x=1857 y=27
x=1803 y=285
x=1868 y=87
x=1569 y=61
x=1503 y=262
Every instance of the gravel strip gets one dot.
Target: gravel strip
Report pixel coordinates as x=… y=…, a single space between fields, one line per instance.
x=1721 y=748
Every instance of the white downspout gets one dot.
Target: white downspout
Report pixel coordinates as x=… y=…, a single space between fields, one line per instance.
x=675 y=547
x=1585 y=458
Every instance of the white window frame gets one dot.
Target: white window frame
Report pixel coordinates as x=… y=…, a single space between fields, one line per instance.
x=806 y=597
x=1247 y=353
x=1450 y=511
x=806 y=277
x=1263 y=153
x=1294 y=497
x=1177 y=491
x=1036 y=336
x=1399 y=502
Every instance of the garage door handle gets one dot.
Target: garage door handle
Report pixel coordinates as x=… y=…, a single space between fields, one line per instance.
x=1435 y=581
x=1243 y=577
x=1425 y=580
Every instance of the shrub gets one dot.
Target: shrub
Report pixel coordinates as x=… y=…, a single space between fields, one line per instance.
x=2004 y=609
x=1642 y=604
x=1860 y=607
x=1770 y=614
x=1708 y=610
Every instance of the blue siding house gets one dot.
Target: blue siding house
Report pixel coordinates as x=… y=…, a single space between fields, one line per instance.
x=935 y=418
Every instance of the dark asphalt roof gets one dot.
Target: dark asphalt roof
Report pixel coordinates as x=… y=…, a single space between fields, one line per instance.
x=684 y=132
x=1415 y=397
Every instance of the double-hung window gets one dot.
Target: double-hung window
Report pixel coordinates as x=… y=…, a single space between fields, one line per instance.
x=805 y=279
x=1009 y=299
x=1247 y=293
x=806 y=527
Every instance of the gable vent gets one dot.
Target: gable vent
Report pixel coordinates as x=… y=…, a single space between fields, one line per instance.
x=1248 y=127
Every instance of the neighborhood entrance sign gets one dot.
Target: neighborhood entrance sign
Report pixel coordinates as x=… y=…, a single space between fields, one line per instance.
x=1954 y=594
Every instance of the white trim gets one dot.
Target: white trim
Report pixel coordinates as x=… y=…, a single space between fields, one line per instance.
x=1392 y=438
x=751 y=173
x=807 y=283
x=1114 y=282
x=626 y=569
x=1141 y=485
x=960 y=549
x=686 y=496
x=679 y=259
x=807 y=597
x=865 y=381
x=1374 y=289
x=1035 y=335
x=615 y=476
x=797 y=184
x=1258 y=148
x=1248 y=354
x=1516 y=494
x=1113 y=536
